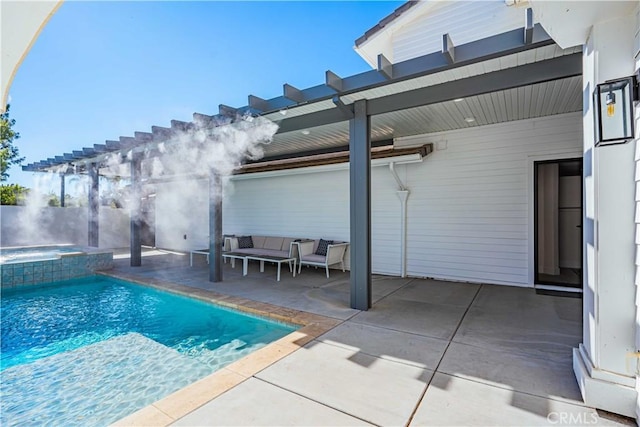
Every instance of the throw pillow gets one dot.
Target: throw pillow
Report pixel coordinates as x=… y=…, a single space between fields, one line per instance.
x=323 y=245
x=245 y=242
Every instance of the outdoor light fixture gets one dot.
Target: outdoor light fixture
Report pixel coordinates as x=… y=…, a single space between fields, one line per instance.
x=614 y=102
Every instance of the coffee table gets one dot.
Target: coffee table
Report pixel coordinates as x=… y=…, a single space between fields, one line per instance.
x=275 y=259
x=233 y=256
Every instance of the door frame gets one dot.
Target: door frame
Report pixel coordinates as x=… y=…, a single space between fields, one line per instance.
x=532 y=238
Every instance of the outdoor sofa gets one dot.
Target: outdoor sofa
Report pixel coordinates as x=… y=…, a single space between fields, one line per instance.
x=318 y=253
x=262 y=246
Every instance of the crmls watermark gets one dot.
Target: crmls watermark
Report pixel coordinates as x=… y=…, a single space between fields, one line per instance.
x=569 y=418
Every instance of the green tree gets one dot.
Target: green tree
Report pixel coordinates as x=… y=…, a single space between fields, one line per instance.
x=9 y=154
x=54 y=200
x=12 y=194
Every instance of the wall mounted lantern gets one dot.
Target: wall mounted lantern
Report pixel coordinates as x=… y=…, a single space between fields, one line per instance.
x=614 y=110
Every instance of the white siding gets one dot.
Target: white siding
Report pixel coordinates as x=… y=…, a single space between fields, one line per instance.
x=312 y=205
x=465 y=21
x=468 y=213
x=468 y=209
x=315 y=205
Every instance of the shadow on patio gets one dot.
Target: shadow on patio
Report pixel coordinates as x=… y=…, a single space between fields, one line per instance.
x=428 y=352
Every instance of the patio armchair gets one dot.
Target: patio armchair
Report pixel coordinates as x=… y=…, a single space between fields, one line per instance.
x=311 y=253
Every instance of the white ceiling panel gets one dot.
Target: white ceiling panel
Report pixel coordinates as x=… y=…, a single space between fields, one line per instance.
x=544 y=99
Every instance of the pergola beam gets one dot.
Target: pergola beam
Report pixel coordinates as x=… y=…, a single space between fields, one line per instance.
x=448 y=49
x=112 y=145
x=333 y=81
x=258 y=103
x=225 y=110
x=180 y=125
x=293 y=93
x=528 y=26
x=161 y=134
x=347 y=110
x=207 y=121
x=385 y=67
x=127 y=142
x=143 y=136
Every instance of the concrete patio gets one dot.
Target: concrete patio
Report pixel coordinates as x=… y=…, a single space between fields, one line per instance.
x=427 y=353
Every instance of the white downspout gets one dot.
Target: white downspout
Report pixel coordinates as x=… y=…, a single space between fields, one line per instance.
x=403 y=195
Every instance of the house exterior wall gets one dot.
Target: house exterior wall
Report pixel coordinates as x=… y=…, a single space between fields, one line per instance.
x=309 y=205
x=316 y=205
x=469 y=212
x=464 y=21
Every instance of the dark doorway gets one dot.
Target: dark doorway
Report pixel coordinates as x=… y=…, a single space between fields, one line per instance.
x=558 y=222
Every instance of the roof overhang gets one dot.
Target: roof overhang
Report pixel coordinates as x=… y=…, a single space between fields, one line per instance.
x=378 y=38
x=21 y=23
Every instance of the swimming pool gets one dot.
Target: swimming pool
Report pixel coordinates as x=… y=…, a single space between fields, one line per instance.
x=91 y=351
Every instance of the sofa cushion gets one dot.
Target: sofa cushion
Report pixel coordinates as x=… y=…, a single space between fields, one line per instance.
x=323 y=246
x=258 y=241
x=314 y=258
x=273 y=243
x=286 y=243
x=245 y=242
x=262 y=252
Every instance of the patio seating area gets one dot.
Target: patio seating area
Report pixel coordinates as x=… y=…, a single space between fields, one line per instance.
x=427 y=353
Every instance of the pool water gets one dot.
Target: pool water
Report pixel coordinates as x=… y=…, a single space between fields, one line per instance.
x=91 y=351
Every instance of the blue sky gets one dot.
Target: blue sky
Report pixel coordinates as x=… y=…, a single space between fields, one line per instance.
x=101 y=70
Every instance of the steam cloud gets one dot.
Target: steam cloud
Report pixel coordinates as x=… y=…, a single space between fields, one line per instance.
x=203 y=148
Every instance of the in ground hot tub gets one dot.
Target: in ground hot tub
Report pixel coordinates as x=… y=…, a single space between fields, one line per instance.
x=32 y=265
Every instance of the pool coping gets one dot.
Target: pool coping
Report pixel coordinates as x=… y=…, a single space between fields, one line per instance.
x=176 y=405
